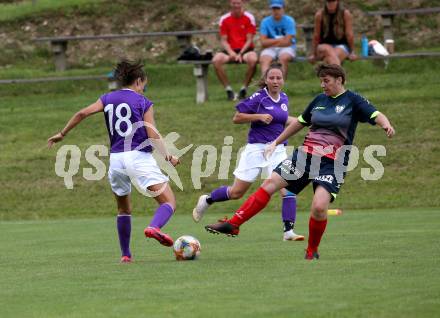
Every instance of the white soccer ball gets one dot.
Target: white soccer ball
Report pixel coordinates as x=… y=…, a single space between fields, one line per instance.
x=186 y=248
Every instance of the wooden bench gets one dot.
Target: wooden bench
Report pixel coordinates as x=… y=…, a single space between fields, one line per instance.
x=387 y=18
x=59 y=44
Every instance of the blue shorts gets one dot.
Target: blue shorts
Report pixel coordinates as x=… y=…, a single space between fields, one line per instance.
x=299 y=172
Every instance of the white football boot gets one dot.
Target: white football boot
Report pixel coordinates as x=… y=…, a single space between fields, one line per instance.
x=292 y=236
x=200 y=208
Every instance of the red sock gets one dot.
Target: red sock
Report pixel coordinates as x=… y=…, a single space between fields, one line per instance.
x=316 y=230
x=254 y=204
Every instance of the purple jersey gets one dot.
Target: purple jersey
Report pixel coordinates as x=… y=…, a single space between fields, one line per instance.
x=122 y=110
x=262 y=103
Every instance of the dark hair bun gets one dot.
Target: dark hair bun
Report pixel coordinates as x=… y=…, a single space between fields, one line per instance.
x=127 y=72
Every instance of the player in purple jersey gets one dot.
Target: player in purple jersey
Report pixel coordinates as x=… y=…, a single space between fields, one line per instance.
x=268 y=113
x=332 y=117
x=131 y=128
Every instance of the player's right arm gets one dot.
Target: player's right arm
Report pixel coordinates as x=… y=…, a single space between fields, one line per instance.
x=384 y=122
x=291 y=129
x=247 y=111
x=94 y=108
x=294 y=126
x=243 y=118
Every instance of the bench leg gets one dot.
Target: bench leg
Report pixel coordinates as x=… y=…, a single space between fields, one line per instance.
x=387 y=23
x=201 y=74
x=308 y=35
x=59 y=50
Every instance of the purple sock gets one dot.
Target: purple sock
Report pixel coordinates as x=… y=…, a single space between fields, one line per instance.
x=220 y=194
x=123 y=223
x=289 y=208
x=162 y=215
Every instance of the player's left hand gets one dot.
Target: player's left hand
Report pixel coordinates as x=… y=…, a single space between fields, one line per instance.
x=389 y=130
x=54 y=139
x=174 y=160
x=270 y=148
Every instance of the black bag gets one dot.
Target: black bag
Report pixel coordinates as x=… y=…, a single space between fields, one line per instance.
x=191 y=53
x=207 y=56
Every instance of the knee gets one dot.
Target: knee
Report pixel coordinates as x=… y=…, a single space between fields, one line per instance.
x=217 y=61
x=285 y=59
x=319 y=210
x=217 y=64
x=235 y=194
x=270 y=186
x=324 y=50
x=321 y=49
x=252 y=63
x=265 y=59
x=252 y=60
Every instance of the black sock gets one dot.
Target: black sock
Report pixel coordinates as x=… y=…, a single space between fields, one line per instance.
x=209 y=200
x=288 y=225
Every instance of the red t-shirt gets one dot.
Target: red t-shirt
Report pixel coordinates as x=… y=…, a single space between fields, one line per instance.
x=236 y=29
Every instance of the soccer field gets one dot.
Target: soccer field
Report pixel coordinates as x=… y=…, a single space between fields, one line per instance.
x=381 y=262
x=59 y=248
x=374 y=263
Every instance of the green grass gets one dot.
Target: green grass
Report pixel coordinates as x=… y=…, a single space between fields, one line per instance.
x=374 y=263
x=22 y=9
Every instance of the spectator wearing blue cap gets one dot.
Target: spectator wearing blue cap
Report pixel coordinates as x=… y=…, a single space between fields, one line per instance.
x=277 y=36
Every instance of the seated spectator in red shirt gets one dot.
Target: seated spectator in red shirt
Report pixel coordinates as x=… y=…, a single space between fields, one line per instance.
x=237 y=31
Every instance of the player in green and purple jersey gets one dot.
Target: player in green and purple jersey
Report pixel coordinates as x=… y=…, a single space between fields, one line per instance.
x=333 y=117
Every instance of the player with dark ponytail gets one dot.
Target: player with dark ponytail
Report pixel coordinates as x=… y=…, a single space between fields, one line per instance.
x=131 y=128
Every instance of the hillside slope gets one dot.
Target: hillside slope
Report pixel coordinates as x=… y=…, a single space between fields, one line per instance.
x=122 y=16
